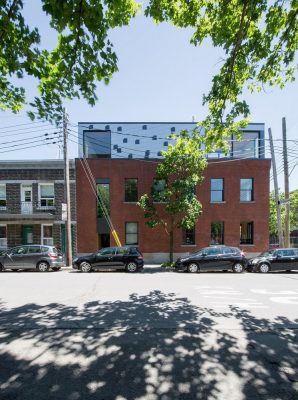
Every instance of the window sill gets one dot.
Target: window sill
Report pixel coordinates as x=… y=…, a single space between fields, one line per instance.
x=46 y=208
x=217 y=202
x=3 y=208
x=130 y=202
x=188 y=245
x=247 y=245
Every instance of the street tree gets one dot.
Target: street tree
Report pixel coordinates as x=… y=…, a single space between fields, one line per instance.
x=172 y=202
x=83 y=55
x=259 y=39
x=293 y=213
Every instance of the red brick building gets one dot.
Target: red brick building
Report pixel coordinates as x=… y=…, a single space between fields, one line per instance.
x=234 y=196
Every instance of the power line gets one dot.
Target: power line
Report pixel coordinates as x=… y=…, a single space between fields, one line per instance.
x=29 y=147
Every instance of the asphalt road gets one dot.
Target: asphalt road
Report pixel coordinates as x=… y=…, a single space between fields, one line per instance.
x=151 y=335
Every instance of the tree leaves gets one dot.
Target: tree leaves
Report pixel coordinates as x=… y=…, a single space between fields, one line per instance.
x=182 y=170
x=83 y=56
x=260 y=40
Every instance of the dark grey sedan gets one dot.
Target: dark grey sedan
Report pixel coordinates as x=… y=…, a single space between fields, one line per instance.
x=274 y=260
x=40 y=257
x=214 y=258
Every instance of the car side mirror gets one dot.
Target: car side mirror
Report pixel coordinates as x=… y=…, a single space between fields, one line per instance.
x=278 y=255
x=204 y=254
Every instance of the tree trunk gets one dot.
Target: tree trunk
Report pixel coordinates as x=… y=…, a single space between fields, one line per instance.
x=171 y=244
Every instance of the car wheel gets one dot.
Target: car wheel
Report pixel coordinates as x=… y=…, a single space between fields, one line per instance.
x=131 y=267
x=43 y=266
x=238 y=268
x=193 y=267
x=85 y=267
x=264 y=268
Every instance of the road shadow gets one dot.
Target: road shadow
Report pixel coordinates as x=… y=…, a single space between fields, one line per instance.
x=153 y=347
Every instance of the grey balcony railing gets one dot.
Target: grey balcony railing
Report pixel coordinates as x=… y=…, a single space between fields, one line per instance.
x=28 y=207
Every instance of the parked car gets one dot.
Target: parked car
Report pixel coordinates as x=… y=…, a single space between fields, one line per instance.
x=40 y=257
x=128 y=258
x=274 y=260
x=215 y=258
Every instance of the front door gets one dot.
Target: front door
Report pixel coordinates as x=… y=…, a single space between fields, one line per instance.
x=104 y=258
x=26 y=199
x=14 y=258
x=27 y=234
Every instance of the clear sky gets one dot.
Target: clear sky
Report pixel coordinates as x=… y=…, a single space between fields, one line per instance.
x=161 y=77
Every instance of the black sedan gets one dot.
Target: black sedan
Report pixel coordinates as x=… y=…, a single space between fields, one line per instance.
x=128 y=258
x=215 y=258
x=274 y=260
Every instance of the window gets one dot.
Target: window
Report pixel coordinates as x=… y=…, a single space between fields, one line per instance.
x=46 y=195
x=131 y=190
x=246 y=233
x=19 y=250
x=3 y=236
x=189 y=236
x=246 y=189
x=131 y=233
x=247 y=147
x=217 y=232
x=107 y=251
x=217 y=190
x=34 y=249
x=2 y=196
x=47 y=235
x=158 y=190
x=103 y=201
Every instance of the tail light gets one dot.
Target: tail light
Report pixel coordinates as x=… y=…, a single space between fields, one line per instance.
x=242 y=253
x=140 y=257
x=52 y=255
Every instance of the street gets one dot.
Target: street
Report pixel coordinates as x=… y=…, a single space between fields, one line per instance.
x=151 y=335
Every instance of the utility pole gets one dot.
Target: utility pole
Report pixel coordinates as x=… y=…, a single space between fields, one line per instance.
x=277 y=202
x=287 y=192
x=67 y=192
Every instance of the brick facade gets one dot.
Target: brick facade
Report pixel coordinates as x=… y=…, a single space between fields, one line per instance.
x=154 y=241
x=14 y=174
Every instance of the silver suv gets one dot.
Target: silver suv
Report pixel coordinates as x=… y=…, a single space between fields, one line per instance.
x=40 y=257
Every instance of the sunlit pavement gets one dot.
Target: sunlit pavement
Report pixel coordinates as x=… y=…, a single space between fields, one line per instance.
x=151 y=335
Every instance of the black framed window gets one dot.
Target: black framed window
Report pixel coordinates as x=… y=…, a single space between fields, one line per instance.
x=158 y=190
x=217 y=190
x=131 y=233
x=131 y=190
x=217 y=232
x=189 y=236
x=103 y=199
x=246 y=232
x=246 y=189
x=3 y=195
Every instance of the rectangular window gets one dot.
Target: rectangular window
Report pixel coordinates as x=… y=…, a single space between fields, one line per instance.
x=47 y=235
x=3 y=236
x=246 y=233
x=131 y=190
x=217 y=190
x=47 y=195
x=2 y=196
x=246 y=189
x=158 y=190
x=131 y=233
x=247 y=147
x=217 y=232
x=103 y=200
x=189 y=236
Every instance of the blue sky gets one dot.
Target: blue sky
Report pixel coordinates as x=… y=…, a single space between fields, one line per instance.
x=161 y=77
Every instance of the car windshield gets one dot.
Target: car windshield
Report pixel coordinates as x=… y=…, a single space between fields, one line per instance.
x=266 y=253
